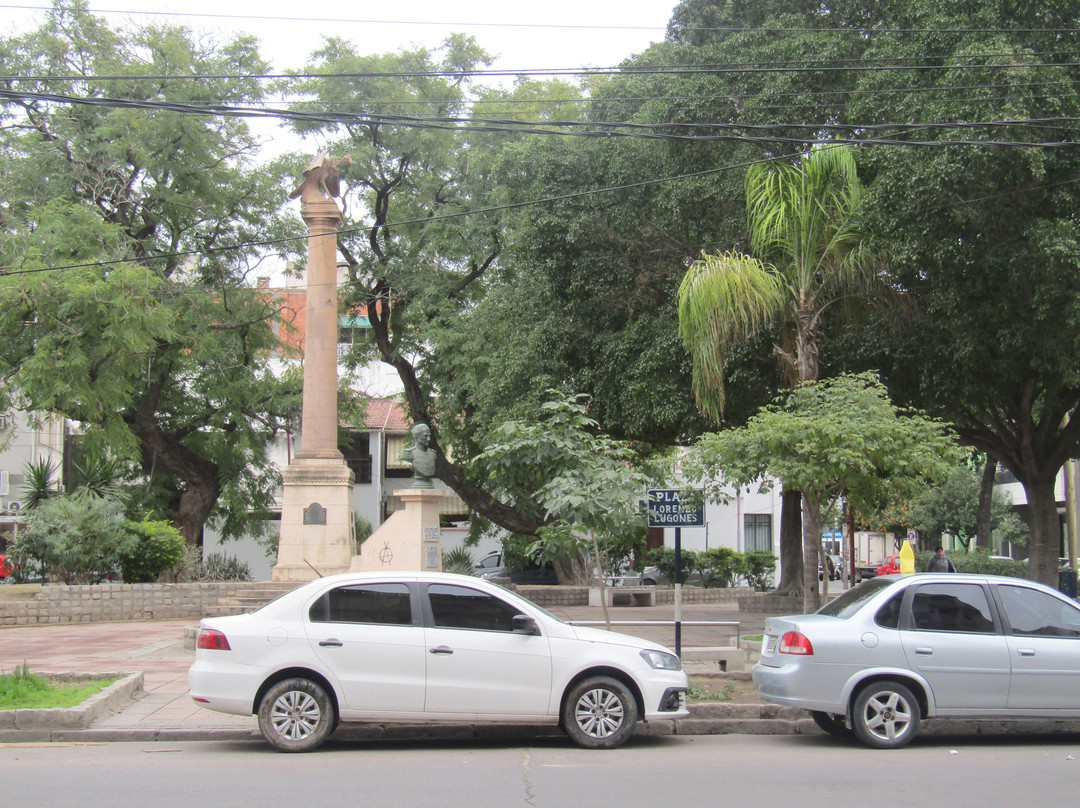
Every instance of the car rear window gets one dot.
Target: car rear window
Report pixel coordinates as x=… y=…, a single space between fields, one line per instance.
x=852 y=600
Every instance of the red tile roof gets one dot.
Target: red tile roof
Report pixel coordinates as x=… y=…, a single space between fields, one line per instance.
x=386 y=415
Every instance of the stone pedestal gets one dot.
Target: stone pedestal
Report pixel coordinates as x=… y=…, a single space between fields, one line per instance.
x=409 y=540
x=316 y=520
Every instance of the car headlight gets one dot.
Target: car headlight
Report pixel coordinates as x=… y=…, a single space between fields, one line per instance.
x=661 y=660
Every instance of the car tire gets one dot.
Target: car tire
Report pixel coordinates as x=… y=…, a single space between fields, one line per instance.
x=296 y=715
x=832 y=724
x=885 y=715
x=599 y=713
x=648 y=582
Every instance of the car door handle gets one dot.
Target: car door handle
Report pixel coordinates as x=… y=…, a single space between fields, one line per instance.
x=924 y=651
x=1025 y=651
x=442 y=649
x=331 y=643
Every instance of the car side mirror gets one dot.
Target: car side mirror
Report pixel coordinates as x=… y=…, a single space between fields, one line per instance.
x=523 y=624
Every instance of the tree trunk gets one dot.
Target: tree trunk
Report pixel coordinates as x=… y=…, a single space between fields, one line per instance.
x=200 y=477
x=986 y=498
x=791 y=544
x=811 y=518
x=1045 y=542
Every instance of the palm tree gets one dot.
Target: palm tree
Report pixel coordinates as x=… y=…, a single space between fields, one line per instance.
x=803 y=230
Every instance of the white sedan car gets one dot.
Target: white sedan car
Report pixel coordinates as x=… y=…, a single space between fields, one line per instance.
x=420 y=647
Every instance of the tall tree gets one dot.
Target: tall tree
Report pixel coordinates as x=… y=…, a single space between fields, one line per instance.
x=123 y=302
x=980 y=223
x=803 y=228
x=831 y=438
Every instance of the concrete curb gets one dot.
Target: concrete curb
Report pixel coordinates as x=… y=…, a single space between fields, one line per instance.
x=105 y=702
x=75 y=725
x=704 y=719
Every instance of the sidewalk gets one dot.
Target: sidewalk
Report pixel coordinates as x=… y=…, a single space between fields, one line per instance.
x=165 y=712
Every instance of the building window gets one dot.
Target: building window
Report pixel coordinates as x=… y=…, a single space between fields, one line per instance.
x=757 y=528
x=357 y=451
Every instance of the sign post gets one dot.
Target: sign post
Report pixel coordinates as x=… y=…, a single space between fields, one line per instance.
x=677 y=508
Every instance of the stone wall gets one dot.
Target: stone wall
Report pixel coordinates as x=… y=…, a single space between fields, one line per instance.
x=699 y=594
x=56 y=603
x=548 y=596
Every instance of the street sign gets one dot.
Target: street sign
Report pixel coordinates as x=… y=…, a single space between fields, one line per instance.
x=667 y=508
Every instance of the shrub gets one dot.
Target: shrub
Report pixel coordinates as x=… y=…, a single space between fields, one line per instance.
x=760 y=567
x=76 y=537
x=722 y=566
x=664 y=560
x=159 y=546
x=219 y=567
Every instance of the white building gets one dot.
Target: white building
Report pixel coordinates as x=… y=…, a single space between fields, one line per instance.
x=25 y=441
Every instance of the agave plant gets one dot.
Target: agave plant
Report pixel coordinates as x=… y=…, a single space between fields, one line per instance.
x=39 y=482
x=100 y=477
x=458 y=560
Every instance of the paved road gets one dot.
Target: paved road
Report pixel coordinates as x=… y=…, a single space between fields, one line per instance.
x=687 y=771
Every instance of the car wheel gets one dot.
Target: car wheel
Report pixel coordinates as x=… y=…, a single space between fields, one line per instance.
x=885 y=715
x=648 y=582
x=599 y=713
x=832 y=724
x=296 y=715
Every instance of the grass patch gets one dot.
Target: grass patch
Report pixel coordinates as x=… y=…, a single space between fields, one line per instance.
x=23 y=690
x=755 y=638
x=698 y=693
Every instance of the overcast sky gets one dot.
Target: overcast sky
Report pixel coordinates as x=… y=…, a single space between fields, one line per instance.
x=523 y=35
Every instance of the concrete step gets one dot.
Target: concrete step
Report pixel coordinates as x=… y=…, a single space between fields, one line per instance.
x=726 y=657
x=250 y=598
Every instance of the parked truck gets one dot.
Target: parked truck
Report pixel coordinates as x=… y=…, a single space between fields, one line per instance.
x=872 y=550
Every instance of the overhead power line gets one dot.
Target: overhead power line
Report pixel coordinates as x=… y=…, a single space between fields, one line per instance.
x=690 y=132
x=929 y=63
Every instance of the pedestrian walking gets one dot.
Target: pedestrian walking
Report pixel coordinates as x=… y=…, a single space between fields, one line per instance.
x=939 y=562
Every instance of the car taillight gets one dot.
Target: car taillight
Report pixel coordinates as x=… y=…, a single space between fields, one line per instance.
x=795 y=643
x=213 y=639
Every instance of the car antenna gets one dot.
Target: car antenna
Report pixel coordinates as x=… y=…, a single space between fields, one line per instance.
x=313 y=567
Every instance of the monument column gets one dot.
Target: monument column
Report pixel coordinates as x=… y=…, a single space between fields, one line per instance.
x=316 y=514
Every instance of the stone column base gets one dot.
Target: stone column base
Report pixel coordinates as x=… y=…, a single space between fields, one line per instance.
x=316 y=520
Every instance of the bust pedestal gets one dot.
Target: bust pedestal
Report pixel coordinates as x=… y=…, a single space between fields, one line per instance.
x=409 y=539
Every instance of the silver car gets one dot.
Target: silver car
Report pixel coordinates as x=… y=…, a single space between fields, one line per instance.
x=900 y=649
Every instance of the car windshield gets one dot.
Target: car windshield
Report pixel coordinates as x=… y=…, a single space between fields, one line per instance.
x=852 y=600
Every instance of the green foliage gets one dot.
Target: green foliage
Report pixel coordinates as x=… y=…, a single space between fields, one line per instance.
x=804 y=219
x=833 y=437
x=220 y=567
x=159 y=546
x=760 y=568
x=977 y=561
x=569 y=479
x=362 y=530
x=99 y=476
x=720 y=566
x=77 y=538
x=40 y=482
x=146 y=332
x=663 y=558
x=458 y=560
x=951 y=506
